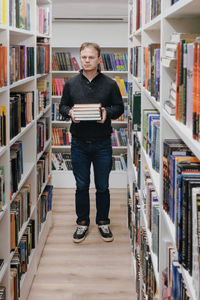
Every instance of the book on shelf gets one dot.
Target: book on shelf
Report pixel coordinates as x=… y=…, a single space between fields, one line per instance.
x=196 y=240
x=43 y=58
x=136 y=112
x=3 y=292
x=42 y=133
x=3 y=66
x=61 y=136
x=3 y=125
x=2 y=186
x=168 y=62
x=42 y=94
x=43 y=19
x=21 y=59
x=3 y=14
x=64 y=61
x=21 y=111
x=170 y=107
x=135 y=62
x=16 y=164
x=151 y=76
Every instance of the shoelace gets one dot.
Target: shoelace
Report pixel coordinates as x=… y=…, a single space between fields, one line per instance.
x=105 y=228
x=81 y=229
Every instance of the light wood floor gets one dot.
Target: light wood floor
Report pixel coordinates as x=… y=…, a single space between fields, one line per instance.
x=91 y=270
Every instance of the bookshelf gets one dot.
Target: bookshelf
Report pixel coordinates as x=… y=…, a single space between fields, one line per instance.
x=64 y=178
x=156 y=239
x=25 y=100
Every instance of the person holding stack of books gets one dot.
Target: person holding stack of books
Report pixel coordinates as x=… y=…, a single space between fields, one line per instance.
x=91 y=137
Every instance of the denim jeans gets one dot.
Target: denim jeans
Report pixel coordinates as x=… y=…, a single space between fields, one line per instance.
x=83 y=153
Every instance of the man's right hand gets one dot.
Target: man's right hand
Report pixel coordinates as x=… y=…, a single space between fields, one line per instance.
x=71 y=114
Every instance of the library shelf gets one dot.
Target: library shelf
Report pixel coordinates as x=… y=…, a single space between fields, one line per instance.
x=21 y=84
x=155 y=22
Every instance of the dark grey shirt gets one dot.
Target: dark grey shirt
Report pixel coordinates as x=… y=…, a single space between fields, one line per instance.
x=102 y=89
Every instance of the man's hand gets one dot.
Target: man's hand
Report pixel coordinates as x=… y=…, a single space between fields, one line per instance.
x=104 y=115
x=71 y=114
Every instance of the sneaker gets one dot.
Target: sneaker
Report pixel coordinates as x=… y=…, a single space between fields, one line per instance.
x=105 y=233
x=80 y=233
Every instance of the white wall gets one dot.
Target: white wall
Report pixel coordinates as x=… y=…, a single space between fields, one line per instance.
x=72 y=34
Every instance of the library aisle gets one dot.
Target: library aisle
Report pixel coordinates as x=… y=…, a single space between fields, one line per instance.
x=93 y=269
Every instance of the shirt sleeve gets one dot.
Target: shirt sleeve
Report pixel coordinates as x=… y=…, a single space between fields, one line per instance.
x=117 y=106
x=65 y=103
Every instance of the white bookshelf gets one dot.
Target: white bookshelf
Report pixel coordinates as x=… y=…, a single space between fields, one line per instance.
x=183 y=16
x=62 y=179
x=10 y=35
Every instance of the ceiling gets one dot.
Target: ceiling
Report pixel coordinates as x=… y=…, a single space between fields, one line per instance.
x=89 y=8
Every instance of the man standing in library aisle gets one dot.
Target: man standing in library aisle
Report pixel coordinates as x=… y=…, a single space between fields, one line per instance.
x=91 y=140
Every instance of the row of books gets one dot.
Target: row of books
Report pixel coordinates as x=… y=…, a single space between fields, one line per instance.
x=135 y=62
x=43 y=58
x=42 y=94
x=2 y=125
x=187 y=86
x=42 y=133
x=152 y=9
x=114 y=61
x=21 y=62
x=61 y=136
x=173 y=283
x=181 y=190
x=44 y=205
x=3 y=14
x=61 y=161
x=20 y=260
x=43 y=20
x=2 y=293
x=64 y=61
x=21 y=111
x=43 y=170
x=119 y=137
x=151 y=76
x=151 y=209
x=151 y=136
x=122 y=84
x=58 y=84
x=3 y=66
x=20 y=211
x=20 y=14
x=119 y=162
x=16 y=165
x=137 y=157
x=2 y=186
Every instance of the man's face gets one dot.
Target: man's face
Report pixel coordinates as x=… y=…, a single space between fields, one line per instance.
x=89 y=59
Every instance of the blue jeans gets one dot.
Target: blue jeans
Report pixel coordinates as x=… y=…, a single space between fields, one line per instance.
x=83 y=153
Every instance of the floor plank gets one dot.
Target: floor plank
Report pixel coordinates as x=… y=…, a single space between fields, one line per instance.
x=91 y=270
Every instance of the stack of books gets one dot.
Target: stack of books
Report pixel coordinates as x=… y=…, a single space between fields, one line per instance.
x=87 y=112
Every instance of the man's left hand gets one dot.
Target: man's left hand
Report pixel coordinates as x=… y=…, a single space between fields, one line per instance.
x=104 y=115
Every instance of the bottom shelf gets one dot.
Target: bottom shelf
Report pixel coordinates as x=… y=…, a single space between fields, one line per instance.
x=65 y=179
